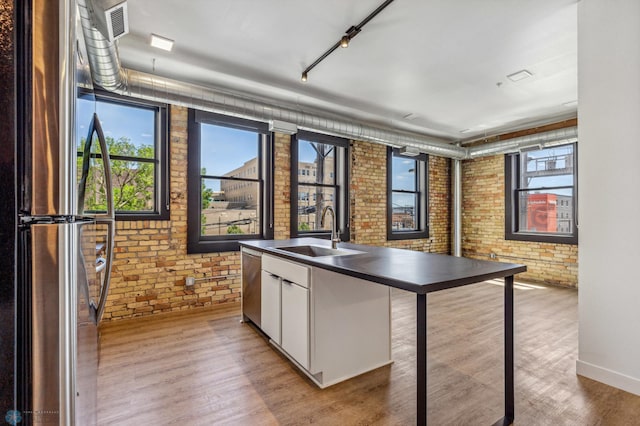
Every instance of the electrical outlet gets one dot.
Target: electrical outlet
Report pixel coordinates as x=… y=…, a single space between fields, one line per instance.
x=492 y=256
x=190 y=281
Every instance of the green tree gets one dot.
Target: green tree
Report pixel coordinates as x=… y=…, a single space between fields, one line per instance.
x=206 y=199
x=304 y=226
x=133 y=181
x=234 y=229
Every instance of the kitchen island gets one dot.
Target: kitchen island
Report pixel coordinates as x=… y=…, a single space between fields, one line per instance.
x=416 y=272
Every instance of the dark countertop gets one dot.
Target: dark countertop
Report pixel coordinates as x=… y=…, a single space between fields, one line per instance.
x=414 y=271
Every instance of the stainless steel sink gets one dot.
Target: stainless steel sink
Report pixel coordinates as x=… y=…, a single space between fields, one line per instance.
x=318 y=251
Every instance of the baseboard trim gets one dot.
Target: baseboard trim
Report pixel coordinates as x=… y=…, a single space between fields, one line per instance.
x=608 y=377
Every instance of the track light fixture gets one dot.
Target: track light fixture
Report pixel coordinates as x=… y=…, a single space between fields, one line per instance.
x=346 y=38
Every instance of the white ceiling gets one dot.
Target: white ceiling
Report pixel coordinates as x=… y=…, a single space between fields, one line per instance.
x=444 y=61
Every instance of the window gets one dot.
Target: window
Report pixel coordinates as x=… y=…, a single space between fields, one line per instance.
x=136 y=135
x=324 y=182
x=407 y=192
x=541 y=195
x=229 y=182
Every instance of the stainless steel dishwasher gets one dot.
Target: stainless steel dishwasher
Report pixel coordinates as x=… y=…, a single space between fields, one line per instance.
x=251 y=285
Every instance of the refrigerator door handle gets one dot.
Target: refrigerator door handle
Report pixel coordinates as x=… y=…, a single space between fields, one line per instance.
x=96 y=127
x=106 y=266
x=106 y=161
x=108 y=219
x=103 y=264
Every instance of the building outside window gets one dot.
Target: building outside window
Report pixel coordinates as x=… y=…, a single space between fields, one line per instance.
x=229 y=181
x=407 y=193
x=136 y=135
x=319 y=177
x=541 y=195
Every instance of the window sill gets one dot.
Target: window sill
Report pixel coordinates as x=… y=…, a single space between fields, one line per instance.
x=218 y=246
x=142 y=216
x=407 y=235
x=542 y=238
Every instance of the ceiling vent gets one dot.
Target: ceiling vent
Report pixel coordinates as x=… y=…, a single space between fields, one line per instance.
x=110 y=17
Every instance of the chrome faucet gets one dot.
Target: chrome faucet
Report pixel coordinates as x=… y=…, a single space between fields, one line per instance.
x=335 y=239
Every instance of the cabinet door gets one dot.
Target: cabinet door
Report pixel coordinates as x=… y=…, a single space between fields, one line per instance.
x=295 y=322
x=270 y=306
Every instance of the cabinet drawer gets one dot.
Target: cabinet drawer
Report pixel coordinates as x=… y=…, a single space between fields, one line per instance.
x=289 y=271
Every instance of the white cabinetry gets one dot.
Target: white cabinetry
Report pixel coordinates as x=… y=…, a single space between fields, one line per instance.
x=331 y=325
x=295 y=322
x=285 y=306
x=351 y=326
x=270 y=306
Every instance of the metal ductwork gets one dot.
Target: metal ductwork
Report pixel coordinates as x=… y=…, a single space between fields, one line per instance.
x=108 y=74
x=103 y=54
x=538 y=140
x=146 y=86
x=110 y=17
x=456 y=211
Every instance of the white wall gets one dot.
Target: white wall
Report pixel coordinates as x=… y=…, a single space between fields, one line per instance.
x=609 y=191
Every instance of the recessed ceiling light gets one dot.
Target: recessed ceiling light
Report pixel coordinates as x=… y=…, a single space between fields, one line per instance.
x=570 y=104
x=520 y=75
x=161 y=42
x=466 y=131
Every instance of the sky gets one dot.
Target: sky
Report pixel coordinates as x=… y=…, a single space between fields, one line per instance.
x=224 y=149
x=404 y=178
x=117 y=120
x=551 y=181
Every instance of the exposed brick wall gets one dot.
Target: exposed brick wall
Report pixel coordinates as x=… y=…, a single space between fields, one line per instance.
x=282 y=187
x=439 y=210
x=483 y=228
x=368 y=193
x=151 y=261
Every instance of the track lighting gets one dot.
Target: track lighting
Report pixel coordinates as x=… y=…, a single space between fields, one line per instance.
x=346 y=38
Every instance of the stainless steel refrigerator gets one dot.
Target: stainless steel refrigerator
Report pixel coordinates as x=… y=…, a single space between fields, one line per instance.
x=63 y=249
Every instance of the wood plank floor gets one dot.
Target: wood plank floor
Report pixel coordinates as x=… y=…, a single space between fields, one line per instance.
x=205 y=368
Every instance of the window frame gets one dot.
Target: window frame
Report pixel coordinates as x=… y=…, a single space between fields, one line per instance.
x=512 y=203
x=162 y=186
x=197 y=243
x=422 y=189
x=341 y=173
